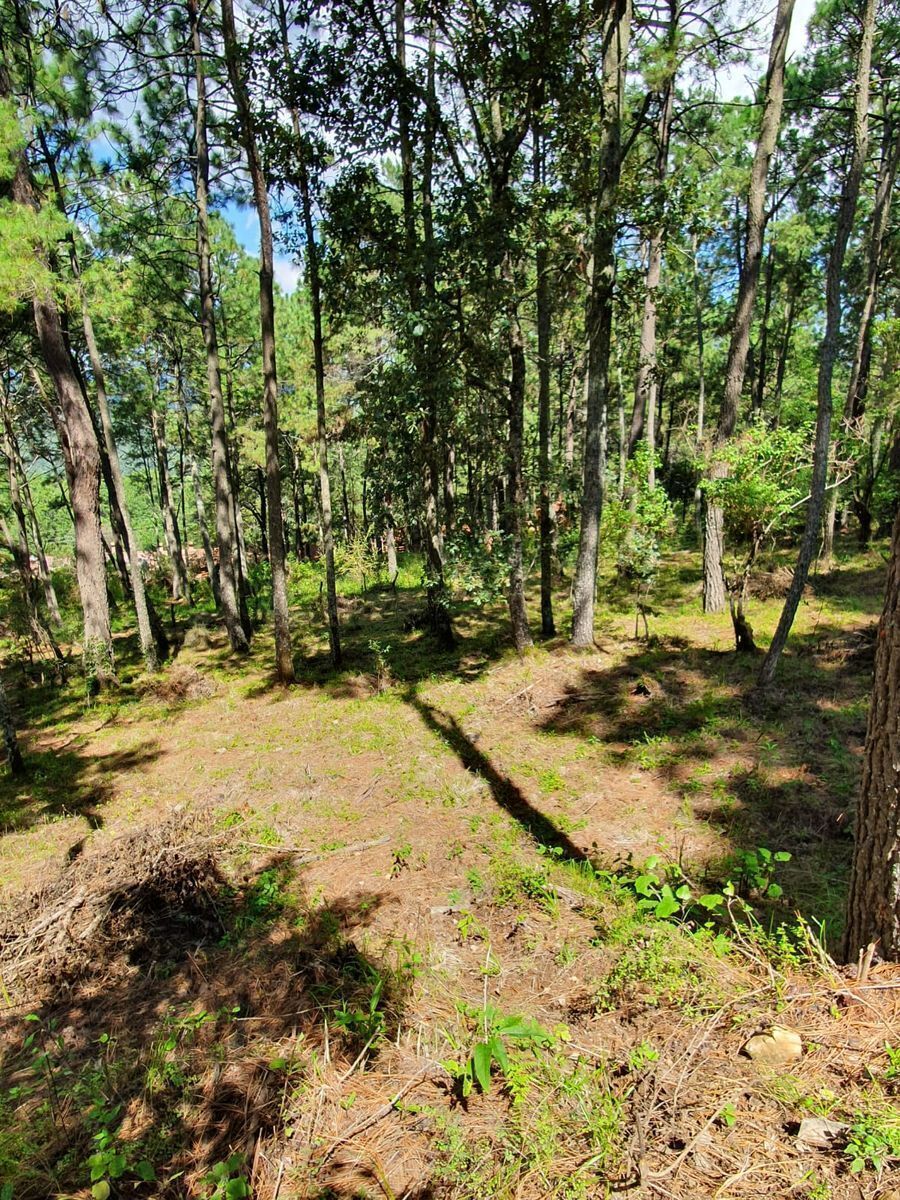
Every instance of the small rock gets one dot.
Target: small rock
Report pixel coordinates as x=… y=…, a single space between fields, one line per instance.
x=774 y=1046
x=820 y=1133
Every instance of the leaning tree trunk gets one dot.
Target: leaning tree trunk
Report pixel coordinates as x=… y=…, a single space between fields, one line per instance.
x=284 y=659
x=8 y=732
x=873 y=906
x=828 y=350
x=736 y=363
x=227 y=599
x=600 y=317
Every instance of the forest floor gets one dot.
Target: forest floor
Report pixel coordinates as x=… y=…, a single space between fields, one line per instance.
x=392 y=932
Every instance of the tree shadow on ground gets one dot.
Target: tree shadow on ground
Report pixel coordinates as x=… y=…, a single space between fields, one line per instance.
x=58 y=783
x=783 y=775
x=507 y=795
x=181 y=1034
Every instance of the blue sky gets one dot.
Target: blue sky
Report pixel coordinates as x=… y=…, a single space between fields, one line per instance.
x=242 y=218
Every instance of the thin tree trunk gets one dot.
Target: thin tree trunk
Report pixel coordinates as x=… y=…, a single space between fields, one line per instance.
x=516 y=498
x=390 y=546
x=200 y=507
x=544 y=318
x=784 y=349
x=646 y=382
x=437 y=596
x=759 y=394
x=828 y=349
x=284 y=660
x=449 y=487
x=736 y=363
x=150 y=650
x=315 y=293
x=226 y=533
x=859 y=372
x=599 y=323
x=170 y=524
x=873 y=905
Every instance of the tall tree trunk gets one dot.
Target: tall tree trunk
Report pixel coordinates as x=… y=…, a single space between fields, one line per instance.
x=544 y=319
x=873 y=905
x=759 y=393
x=315 y=292
x=784 y=348
x=170 y=522
x=284 y=659
x=200 y=506
x=646 y=383
x=701 y=381
x=150 y=649
x=437 y=596
x=736 y=363
x=516 y=474
x=600 y=316
x=829 y=347
x=859 y=372
x=82 y=458
x=228 y=593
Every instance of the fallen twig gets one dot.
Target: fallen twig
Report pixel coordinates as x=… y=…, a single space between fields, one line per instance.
x=379 y=1114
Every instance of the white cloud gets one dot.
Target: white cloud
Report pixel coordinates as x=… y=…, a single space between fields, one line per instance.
x=287 y=274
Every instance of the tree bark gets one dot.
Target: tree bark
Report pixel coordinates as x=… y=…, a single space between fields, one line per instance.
x=8 y=729
x=873 y=905
x=284 y=659
x=600 y=316
x=82 y=459
x=228 y=600
x=828 y=349
x=736 y=363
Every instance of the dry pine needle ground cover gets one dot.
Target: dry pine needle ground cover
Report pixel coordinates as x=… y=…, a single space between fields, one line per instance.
x=393 y=933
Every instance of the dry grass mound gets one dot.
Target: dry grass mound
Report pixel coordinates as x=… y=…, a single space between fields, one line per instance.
x=113 y=908
x=180 y=683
